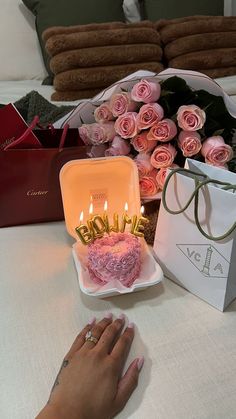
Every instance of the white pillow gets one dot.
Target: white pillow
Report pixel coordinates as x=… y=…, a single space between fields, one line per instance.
x=131 y=10
x=20 y=56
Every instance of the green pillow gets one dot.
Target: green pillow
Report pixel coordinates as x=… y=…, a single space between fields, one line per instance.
x=171 y=9
x=71 y=12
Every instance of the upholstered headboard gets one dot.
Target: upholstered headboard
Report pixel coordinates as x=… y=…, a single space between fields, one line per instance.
x=170 y=9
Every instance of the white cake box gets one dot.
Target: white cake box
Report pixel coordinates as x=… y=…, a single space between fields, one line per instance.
x=115 y=180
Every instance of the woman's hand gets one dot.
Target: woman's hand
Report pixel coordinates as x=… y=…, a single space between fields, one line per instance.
x=90 y=384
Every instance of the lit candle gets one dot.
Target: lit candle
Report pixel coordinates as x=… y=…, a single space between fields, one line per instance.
x=89 y=221
x=105 y=217
x=140 y=224
x=125 y=219
x=81 y=217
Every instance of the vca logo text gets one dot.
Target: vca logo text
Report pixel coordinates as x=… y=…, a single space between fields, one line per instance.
x=206 y=259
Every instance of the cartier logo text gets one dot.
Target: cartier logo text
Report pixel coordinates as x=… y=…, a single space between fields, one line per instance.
x=32 y=192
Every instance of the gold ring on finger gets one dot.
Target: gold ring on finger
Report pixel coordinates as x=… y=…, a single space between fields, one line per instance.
x=90 y=338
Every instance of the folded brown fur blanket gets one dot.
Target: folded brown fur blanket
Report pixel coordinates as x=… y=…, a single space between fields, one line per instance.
x=99 y=77
x=102 y=56
x=211 y=24
x=70 y=95
x=199 y=42
x=206 y=44
x=58 y=30
x=85 y=58
x=67 y=42
x=214 y=58
x=215 y=73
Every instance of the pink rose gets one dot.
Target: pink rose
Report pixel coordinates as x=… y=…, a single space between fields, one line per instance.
x=164 y=130
x=190 y=117
x=189 y=142
x=126 y=125
x=148 y=115
x=146 y=91
x=85 y=133
x=161 y=175
x=148 y=184
x=216 y=152
x=97 y=151
x=141 y=143
x=103 y=113
x=163 y=156
x=143 y=162
x=102 y=132
x=121 y=103
x=118 y=147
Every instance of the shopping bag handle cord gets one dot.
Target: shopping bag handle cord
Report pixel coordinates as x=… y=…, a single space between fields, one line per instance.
x=195 y=195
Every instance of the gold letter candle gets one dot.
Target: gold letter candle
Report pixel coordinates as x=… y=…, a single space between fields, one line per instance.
x=84 y=234
x=99 y=226
x=140 y=225
x=115 y=226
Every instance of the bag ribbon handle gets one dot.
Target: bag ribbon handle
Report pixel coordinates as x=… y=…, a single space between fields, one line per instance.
x=195 y=196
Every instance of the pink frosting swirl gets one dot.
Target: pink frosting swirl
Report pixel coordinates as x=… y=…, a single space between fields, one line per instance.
x=126 y=125
x=148 y=115
x=191 y=117
x=121 y=103
x=115 y=257
x=189 y=143
x=163 y=131
x=146 y=91
x=141 y=143
x=163 y=156
x=216 y=152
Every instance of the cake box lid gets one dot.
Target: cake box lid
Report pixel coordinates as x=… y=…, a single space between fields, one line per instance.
x=96 y=180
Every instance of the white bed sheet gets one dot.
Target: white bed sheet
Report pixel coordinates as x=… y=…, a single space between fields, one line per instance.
x=11 y=91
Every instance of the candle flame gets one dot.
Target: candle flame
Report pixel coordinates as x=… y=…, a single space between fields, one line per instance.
x=91 y=208
x=142 y=209
x=126 y=206
x=81 y=216
x=105 y=206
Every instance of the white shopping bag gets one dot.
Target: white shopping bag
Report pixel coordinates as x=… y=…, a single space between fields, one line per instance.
x=196 y=247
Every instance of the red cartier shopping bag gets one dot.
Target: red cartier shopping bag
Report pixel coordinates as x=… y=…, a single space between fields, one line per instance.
x=30 y=162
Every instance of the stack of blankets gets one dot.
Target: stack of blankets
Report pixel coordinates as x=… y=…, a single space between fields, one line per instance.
x=85 y=59
x=201 y=43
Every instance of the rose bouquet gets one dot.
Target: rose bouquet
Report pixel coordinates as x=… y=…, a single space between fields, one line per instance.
x=159 y=124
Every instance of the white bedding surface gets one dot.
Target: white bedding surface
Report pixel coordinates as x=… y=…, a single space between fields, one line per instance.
x=11 y=91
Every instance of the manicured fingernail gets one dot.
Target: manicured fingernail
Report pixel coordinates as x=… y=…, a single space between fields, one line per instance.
x=131 y=325
x=108 y=316
x=140 y=363
x=121 y=317
x=93 y=319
